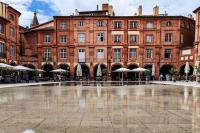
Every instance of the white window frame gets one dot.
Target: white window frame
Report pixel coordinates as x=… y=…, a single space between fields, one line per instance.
x=63 y=25
x=149 y=38
x=12 y=50
x=149 y=53
x=63 y=38
x=47 y=38
x=63 y=53
x=100 y=53
x=100 y=37
x=149 y=25
x=133 y=53
x=81 y=37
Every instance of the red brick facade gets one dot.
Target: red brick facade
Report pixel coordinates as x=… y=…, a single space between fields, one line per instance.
x=113 y=41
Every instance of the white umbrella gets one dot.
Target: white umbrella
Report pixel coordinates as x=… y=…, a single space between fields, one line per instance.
x=79 y=71
x=2 y=65
x=59 y=71
x=22 y=68
x=99 y=72
x=139 y=69
x=39 y=70
x=122 y=70
x=187 y=69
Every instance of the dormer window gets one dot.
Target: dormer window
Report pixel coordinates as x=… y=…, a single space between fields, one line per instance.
x=100 y=24
x=169 y=24
x=81 y=23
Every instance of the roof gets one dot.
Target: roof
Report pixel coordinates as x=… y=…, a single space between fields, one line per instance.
x=35 y=21
x=15 y=10
x=100 y=11
x=196 y=10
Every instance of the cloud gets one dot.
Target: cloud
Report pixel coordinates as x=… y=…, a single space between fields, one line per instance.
x=121 y=7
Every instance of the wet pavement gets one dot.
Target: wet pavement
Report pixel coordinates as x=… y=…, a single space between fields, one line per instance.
x=100 y=109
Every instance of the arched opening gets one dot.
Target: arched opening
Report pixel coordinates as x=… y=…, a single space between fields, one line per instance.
x=132 y=76
x=149 y=73
x=115 y=76
x=182 y=70
x=31 y=74
x=48 y=68
x=65 y=67
x=103 y=70
x=165 y=71
x=85 y=72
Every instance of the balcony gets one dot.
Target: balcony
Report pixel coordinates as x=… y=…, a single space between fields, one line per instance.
x=3 y=55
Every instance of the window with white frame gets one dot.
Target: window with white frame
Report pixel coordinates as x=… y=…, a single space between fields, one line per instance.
x=117 y=55
x=100 y=37
x=117 y=38
x=168 y=37
x=63 y=39
x=133 y=24
x=133 y=38
x=117 y=24
x=100 y=53
x=168 y=53
x=63 y=53
x=149 y=38
x=63 y=25
x=12 y=50
x=81 y=37
x=81 y=23
x=1 y=28
x=149 y=53
x=133 y=53
x=149 y=25
x=12 y=32
x=47 y=54
x=100 y=24
x=47 y=38
x=81 y=55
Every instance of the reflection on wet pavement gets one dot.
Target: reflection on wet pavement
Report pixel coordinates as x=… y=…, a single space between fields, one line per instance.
x=99 y=109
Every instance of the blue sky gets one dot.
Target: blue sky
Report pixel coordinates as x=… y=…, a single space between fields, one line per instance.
x=46 y=9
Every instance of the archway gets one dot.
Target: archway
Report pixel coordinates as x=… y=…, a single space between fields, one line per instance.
x=103 y=69
x=65 y=67
x=182 y=70
x=165 y=70
x=116 y=76
x=131 y=75
x=85 y=72
x=31 y=74
x=47 y=68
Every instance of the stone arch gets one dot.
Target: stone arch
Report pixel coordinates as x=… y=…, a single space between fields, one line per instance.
x=131 y=75
x=85 y=71
x=115 y=76
x=31 y=74
x=165 y=69
x=182 y=70
x=65 y=67
x=47 y=68
x=103 y=66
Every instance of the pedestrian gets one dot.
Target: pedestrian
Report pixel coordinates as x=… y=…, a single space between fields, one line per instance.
x=161 y=77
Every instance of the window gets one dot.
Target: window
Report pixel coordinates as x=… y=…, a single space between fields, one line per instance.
x=149 y=38
x=117 y=55
x=62 y=25
x=169 y=23
x=133 y=53
x=12 y=50
x=133 y=38
x=11 y=17
x=81 y=37
x=168 y=53
x=63 y=39
x=81 y=55
x=149 y=25
x=100 y=37
x=63 y=53
x=100 y=54
x=149 y=53
x=117 y=38
x=35 y=39
x=47 y=54
x=182 y=38
x=168 y=37
x=47 y=38
x=133 y=24
x=81 y=23
x=12 y=32
x=100 y=24
x=117 y=24
x=1 y=28
x=2 y=49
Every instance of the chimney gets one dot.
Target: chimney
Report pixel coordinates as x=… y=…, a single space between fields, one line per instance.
x=156 y=11
x=190 y=16
x=105 y=7
x=76 y=12
x=97 y=7
x=110 y=11
x=139 y=13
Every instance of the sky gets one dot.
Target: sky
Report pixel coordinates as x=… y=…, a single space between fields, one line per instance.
x=46 y=9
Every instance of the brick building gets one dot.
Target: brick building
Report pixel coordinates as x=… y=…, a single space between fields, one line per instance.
x=100 y=37
x=9 y=34
x=197 y=36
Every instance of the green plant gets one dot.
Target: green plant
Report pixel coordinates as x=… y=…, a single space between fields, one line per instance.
x=148 y=73
x=173 y=71
x=105 y=72
x=197 y=69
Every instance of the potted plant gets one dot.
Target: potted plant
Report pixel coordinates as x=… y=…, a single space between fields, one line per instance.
x=197 y=69
x=105 y=74
x=148 y=75
x=173 y=72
